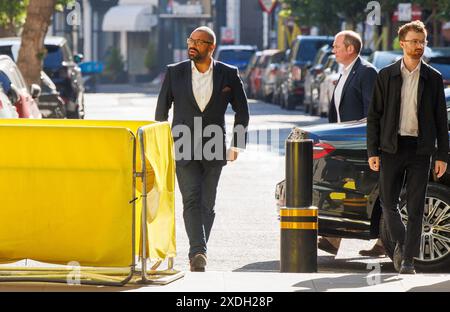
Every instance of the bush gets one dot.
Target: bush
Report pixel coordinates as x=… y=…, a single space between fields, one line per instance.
x=114 y=66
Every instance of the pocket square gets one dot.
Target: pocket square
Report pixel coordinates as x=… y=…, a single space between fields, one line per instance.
x=226 y=89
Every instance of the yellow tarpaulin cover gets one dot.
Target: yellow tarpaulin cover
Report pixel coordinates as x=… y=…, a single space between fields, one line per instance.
x=66 y=188
x=159 y=153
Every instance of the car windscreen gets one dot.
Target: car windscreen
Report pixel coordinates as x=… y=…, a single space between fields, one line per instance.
x=442 y=64
x=308 y=48
x=278 y=58
x=6 y=50
x=5 y=82
x=385 y=59
x=235 y=56
x=54 y=57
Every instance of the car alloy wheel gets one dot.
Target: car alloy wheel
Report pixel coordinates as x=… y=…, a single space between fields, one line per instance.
x=435 y=240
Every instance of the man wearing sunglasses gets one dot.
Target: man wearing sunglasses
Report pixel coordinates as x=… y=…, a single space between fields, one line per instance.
x=200 y=90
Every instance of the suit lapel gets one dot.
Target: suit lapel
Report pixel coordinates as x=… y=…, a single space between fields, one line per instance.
x=350 y=77
x=217 y=82
x=188 y=83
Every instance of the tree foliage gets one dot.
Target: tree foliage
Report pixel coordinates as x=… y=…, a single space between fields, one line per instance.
x=12 y=16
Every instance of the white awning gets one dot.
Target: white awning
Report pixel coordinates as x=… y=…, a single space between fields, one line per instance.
x=129 y=18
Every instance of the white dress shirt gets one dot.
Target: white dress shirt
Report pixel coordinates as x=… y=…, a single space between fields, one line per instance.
x=409 y=124
x=202 y=85
x=340 y=87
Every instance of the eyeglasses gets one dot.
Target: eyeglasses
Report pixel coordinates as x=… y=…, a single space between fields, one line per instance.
x=197 y=42
x=417 y=42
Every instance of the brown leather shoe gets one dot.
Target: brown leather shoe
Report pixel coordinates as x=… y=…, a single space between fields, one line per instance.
x=376 y=251
x=325 y=245
x=198 y=263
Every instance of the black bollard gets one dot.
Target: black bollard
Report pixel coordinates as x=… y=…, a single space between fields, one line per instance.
x=299 y=219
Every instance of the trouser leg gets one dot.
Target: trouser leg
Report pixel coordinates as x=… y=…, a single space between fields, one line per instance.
x=210 y=180
x=416 y=186
x=190 y=183
x=392 y=174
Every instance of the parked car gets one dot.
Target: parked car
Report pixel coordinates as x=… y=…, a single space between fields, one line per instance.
x=324 y=86
x=439 y=58
x=346 y=192
x=269 y=75
x=7 y=109
x=249 y=71
x=381 y=59
x=62 y=68
x=14 y=86
x=51 y=104
x=279 y=79
x=236 y=55
x=256 y=75
x=312 y=72
x=303 y=51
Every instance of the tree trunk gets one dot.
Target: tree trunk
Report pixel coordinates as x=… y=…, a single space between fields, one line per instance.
x=435 y=26
x=32 y=51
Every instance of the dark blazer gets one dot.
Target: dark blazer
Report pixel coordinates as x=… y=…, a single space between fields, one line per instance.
x=227 y=88
x=383 y=120
x=356 y=94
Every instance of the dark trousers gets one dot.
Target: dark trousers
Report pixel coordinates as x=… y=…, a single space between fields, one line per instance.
x=198 y=185
x=404 y=167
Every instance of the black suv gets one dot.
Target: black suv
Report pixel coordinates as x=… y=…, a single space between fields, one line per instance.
x=62 y=68
x=303 y=51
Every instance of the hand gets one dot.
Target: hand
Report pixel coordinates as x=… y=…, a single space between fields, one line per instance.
x=439 y=168
x=232 y=155
x=374 y=163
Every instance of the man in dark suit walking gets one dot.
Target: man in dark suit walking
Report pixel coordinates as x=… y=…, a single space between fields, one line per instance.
x=200 y=90
x=406 y=119
x=353 y=92
x=351 y=98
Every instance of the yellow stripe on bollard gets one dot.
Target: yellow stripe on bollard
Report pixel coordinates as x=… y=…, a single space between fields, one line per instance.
x=299 y=225
x=298 y=212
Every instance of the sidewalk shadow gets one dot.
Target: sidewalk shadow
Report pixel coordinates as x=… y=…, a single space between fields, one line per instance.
x=438 y=287
x=326 y=264
x=346 y=281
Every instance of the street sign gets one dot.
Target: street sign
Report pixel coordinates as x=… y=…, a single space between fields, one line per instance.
x=268 y=5
x=404 y=12
x=227 y=35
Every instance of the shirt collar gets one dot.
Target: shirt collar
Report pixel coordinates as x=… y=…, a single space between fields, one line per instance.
x=349 y=67
x=404 y=69
x=194 y=69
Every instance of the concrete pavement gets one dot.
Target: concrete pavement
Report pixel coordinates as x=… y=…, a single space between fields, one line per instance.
x=219 y=282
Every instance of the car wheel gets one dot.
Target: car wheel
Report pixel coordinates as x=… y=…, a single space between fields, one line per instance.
x=435 y=240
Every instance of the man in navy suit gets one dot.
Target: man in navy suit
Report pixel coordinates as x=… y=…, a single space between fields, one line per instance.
x=351 y=100
x=353 y=92
x=200 y=90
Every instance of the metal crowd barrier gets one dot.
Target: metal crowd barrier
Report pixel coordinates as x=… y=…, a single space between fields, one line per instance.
x=76 y=196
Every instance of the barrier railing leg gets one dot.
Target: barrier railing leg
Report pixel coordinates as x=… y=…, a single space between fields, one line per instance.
x=299 y=219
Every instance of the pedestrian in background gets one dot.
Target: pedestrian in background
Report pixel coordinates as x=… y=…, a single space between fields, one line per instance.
x=350 y=101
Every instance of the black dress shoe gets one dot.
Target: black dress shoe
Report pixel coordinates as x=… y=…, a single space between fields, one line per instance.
x=398 y=256
x=325 y=245
x=407 y=267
